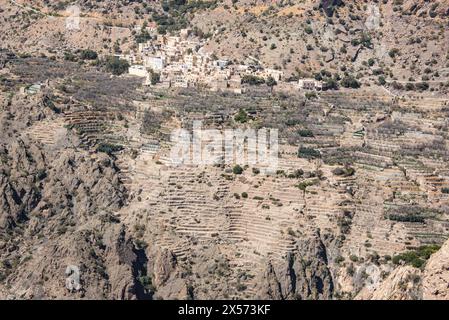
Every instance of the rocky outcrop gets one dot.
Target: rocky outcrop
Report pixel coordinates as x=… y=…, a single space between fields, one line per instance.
x=435 y=280
x=31 y=182
x=19 y=170
x=58 y=205
x=5 y=57
x=305 y=274
x=102 y=260
x=424 y=8
x=329 y=6
x=164 y=266
x=402 y=284
x=409 y=283
x=126 y=265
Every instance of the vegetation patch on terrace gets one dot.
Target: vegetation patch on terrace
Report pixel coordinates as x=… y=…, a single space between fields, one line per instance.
x=411 y=213
x=416 y=258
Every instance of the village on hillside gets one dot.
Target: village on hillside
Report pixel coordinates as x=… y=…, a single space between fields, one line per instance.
x=181 y=61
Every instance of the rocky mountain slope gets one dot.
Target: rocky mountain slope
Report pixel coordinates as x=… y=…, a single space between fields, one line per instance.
x=358 y=207
x=134 y=228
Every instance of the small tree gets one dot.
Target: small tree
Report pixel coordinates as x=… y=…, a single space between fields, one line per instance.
x=393 y=53
x=241 y=116
x=154 y=77
x=350 y=82
x=116 y=66
x=308 y=153
x=88 y=54
x=271 y=83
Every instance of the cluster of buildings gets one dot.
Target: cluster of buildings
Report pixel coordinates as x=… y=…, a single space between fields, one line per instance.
x=182 y=61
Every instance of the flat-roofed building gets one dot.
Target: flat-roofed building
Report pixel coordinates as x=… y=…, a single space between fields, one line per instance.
x=138 y=70
x=309 y=84
x=155 y=63
x=275 y=74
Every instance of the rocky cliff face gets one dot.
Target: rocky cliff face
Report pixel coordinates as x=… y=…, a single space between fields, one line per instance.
x=402 y=284
x=105 y=261
x=435 y=282
x=56 y=211
x=60 y=236
x=305 y=274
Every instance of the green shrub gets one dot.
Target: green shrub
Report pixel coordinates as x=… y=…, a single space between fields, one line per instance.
x=70 y=56
x=305 y=133
x=422 y=86
x=88 y=54
x=296 y=174
x=339 y=259
x=311 y=95
x=350 y=82
x=271 y=82
x=241 y=287
x=116 y=66
x=308 y=153
x=330 y=84
x=350 y=270
x=303 y=185
x=237 y=169
x=241 y=116
x=417 y=258
x=142 y=37
x=393 y=53
x=252 y=80
x=108 y=148
x=154 y=77
x=146 y=282
x=406 y=218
